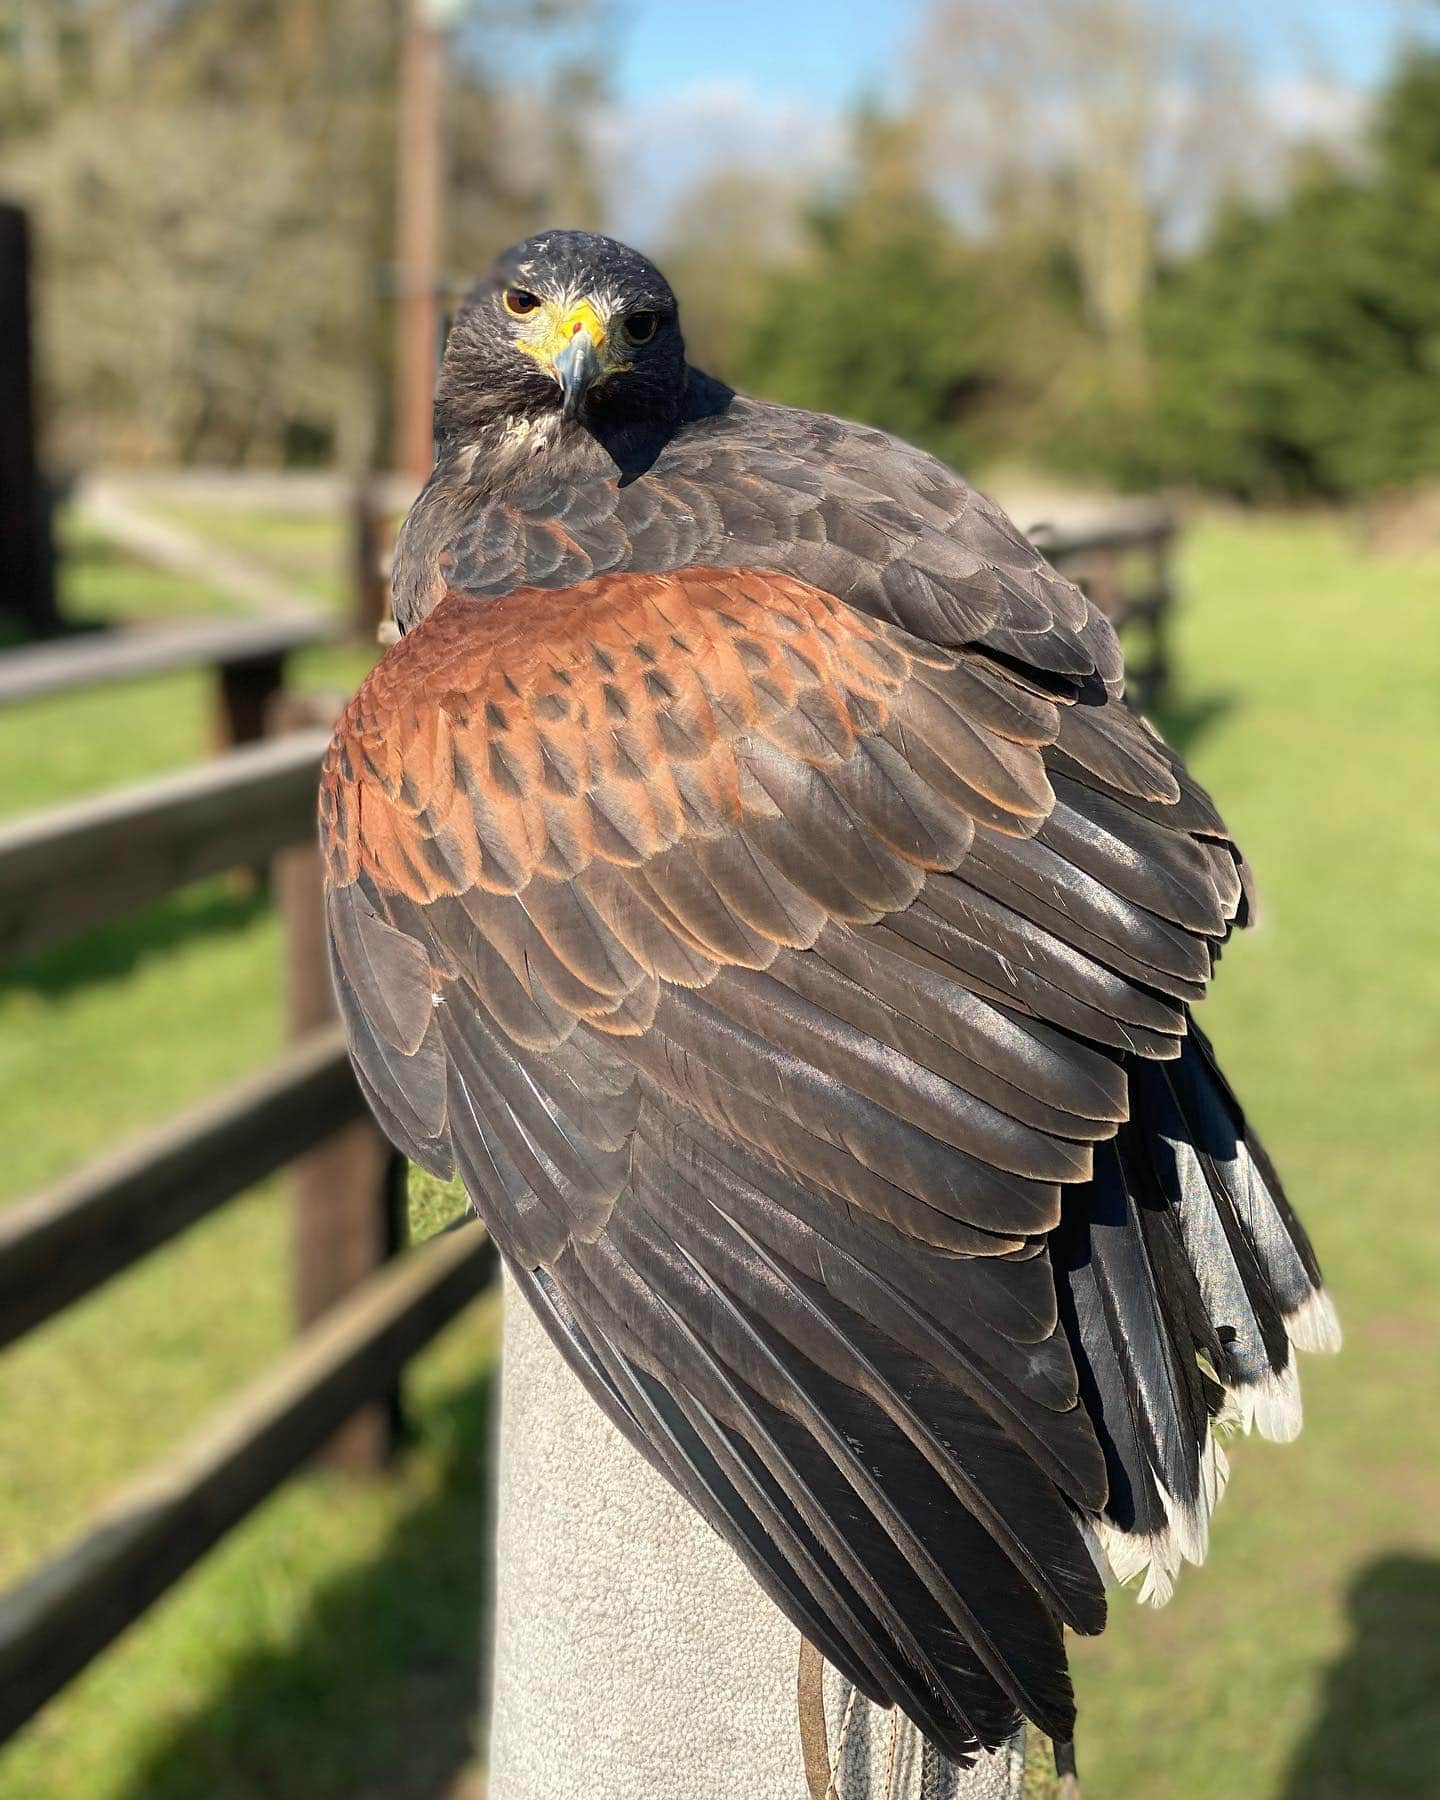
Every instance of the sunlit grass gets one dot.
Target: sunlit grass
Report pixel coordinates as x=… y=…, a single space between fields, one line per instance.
x=101 y=583
x=307 y=549
x=1319 y=670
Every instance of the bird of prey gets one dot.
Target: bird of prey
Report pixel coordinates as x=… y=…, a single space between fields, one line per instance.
x=746 y=873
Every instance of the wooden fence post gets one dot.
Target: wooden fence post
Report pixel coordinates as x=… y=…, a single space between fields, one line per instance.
x=248 y=693
x=349 y=1193
x=27 y=576
x=1163 y=550
x=370 y=581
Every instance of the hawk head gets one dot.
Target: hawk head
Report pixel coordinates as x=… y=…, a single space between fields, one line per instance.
x=566 y=327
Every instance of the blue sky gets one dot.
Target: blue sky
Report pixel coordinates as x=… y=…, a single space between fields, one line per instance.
x=823 y=51
x=831 y=51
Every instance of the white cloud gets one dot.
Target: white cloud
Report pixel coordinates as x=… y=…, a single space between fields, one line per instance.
x=1304 y=108
x=655 y=152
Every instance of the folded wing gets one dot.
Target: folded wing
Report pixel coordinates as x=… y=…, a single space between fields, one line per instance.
x=770 y=976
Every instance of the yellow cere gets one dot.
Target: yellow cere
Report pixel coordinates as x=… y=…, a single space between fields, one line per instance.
x=553 y=329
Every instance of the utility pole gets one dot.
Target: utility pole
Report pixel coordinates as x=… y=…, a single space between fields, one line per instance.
x=418 y=232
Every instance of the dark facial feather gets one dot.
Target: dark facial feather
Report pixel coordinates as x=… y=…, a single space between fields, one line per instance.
x=485 y=379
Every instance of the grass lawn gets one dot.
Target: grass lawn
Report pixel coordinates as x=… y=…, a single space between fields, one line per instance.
x=308 y=549
x=1303 y=1661
x=329 y=1649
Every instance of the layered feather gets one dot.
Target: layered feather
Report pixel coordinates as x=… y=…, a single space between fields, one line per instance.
x=801 y=987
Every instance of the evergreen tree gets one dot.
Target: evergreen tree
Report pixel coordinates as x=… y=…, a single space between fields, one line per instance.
x=1299 y=352
x=884 y=319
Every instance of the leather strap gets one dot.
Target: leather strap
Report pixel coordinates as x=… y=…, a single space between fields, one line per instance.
x=814 y=1733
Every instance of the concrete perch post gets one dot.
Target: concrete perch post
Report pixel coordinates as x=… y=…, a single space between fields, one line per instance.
x=634 y=1658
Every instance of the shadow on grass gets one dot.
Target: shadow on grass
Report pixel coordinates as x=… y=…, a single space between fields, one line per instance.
x=224 y=905
x=1377 y=1729
x=378 y=1699
x=1183 y=719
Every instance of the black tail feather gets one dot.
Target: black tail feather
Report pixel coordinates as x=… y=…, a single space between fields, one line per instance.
x=1184 y=1279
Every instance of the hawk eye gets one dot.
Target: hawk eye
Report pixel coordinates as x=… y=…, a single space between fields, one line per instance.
x=640 y=327
x=519 y=301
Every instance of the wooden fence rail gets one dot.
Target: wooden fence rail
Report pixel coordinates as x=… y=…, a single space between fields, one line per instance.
x=145 y=1539
x=77 y=867
x=60 y=1244
x=248 y=657
x=1122 y=559
x=135 y=652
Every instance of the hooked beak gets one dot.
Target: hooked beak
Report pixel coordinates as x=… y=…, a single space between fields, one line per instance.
x=576 y=367
x=572 y=346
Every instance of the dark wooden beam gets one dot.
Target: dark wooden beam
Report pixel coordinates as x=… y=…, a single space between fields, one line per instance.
x=144 y=1540
x=60 y=1244
x=1128 y=533
x=247 y=692
x=372 y=538
x=75 y=867
x=418 y=233
x=27 y=574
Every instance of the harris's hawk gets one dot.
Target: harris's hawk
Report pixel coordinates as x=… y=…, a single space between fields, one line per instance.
x=747 y=875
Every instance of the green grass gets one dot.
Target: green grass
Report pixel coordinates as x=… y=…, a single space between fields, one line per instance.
x=307 y=549
x=1309 y=682
x=103 y=583
x=328 y=1650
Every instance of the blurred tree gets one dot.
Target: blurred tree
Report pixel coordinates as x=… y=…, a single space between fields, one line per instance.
x=1103 y=125
x=212 y=183
x=1299 y=352
x=1056 y=249
x=722 y=249
x=884 y=317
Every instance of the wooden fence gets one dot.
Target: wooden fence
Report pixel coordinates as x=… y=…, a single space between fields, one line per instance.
x=1119 y=551
x=365 y=1309
x=1122 y=557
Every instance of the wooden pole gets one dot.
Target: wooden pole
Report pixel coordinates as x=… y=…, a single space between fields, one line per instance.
x=27 y=577
x=350 y=1193
x=1164 y=590
x=418 y=237
x=246 y=695
x=369 y=578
